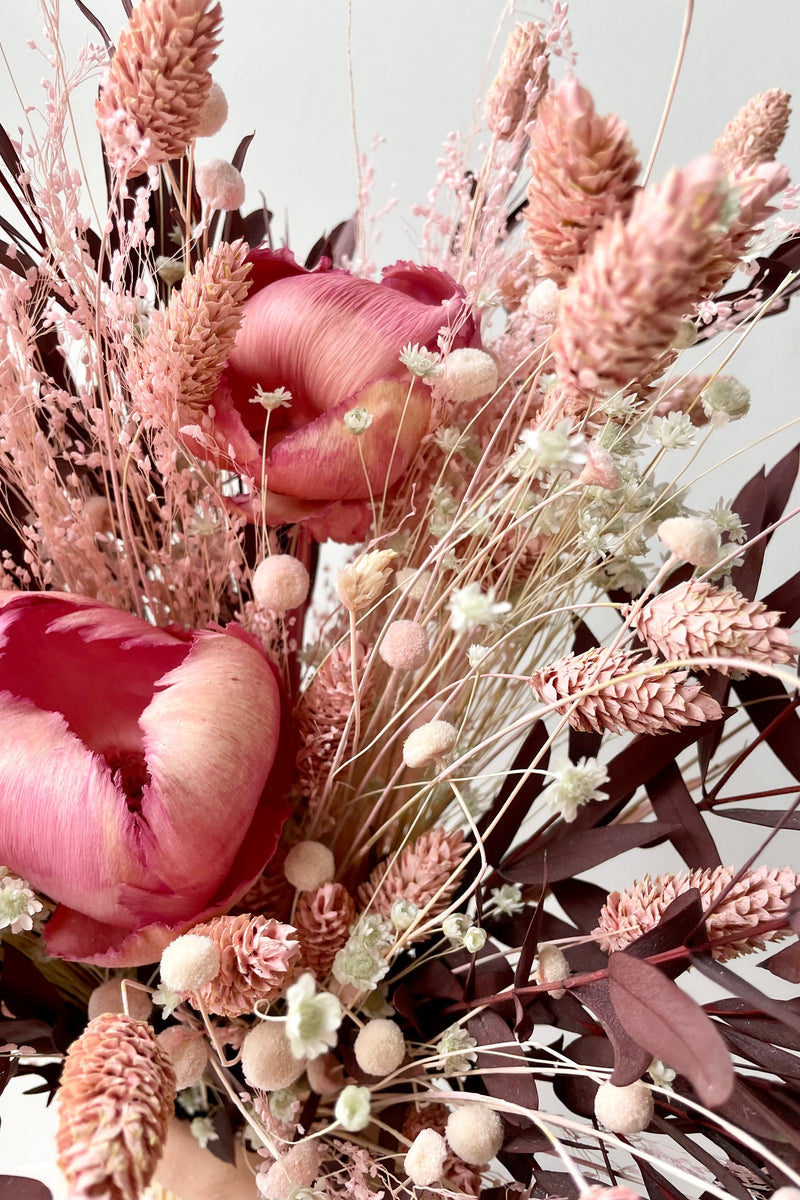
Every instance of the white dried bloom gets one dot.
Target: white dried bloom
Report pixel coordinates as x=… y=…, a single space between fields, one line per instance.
x=470 y=606
x=425 y=1159
x=403 y=913
x=475 y=1133
x=507 y=899
x=352 y=1109
x=474 y=939
x=727 y=521
x=361 y=962
x=661 y=1074
x=420 y=361
x=725 y=399
x=278 y=398
x=171 y=270
x=675 y=431
x=456 y=1050
x=466 y=375
x=476 y=654
x=167 y=1000
x=544 y=301
x=312 y=1018
x=202 y=1129
x=362 y=581
x=380 y=1047
x=358 y=420
x=429 y=743
x=18 y=905
x=190 y=962
x=455 y=926
x=574 y=785
x=556 y=449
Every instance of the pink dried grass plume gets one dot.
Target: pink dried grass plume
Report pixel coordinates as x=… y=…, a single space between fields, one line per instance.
x=621 y=310
x=323 y=919
x=696 y=619
x=258 y=956
x=583 y=170
x=423 y=868
x=760 y=896
x=653 y=700
x=153 y=96
x=522 y=77
x=115 y=1103
x=188 y=344
x=755 y=134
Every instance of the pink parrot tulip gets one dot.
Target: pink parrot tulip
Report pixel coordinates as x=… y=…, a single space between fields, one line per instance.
x=136 y=771
x=333 y=341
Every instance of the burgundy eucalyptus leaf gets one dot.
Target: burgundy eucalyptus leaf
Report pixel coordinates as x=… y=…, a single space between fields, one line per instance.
x=771 y=1058
x=751 y=504
x=732 y=982
x=578 y=1091
x=785 y=964
x=583 y=850
x=581 y=901
x=672 y=801
x=15 y=1187
x=769 y=817
x=671 y=1026
x=496 y=843
x=786 y=599
x=761 y=1113
x=504 y=1072
x=658 y=1188
x=765 y=700
x=631 y=1059
x=750 y=1020
x=794 y=910
x=681 y=925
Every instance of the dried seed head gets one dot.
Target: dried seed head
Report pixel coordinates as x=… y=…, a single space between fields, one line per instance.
x=424 y=1162
x=380 y=1047
x=108 y=998
x=429 y=743
x=512 y=99
x=267 y=1059
x=258 y=956
x=296 y=1169
x=405 y=646
x=190 y=962
x=186 y=1050
x=362 y=581
x=475 y=1133
x=214 y=112
x=280 y=583
x=158 y=82
x=115 y=1103
x=694 y=539
x=624 y=1109
x=323 y=918
x=308 y=865
x=465 y=375
x=219 y=185
x=552 y=966
x=755 y=133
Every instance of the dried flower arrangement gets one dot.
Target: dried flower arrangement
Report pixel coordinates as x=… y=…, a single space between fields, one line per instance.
x=292 y=874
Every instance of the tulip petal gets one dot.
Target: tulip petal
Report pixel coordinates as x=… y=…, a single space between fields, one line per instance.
x=324 y=461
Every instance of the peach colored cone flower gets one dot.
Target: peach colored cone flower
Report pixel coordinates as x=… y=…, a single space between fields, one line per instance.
x=652 y=701
x=756 y=132
x=583 y=170
x=760 y=896
x=134 y=764
x=323 y=918
x=698 y=619
x=258 y=956
x=152 y=99
x=421 y=869
x=115 y=1103
x=511 y=101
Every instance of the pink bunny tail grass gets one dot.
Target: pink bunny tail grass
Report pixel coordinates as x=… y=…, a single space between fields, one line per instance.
x=180 y=364
x=258 y=956
x=421 y=869
x=323 y=918
x=522 y=78
x=756 y=133
x=654 y=700
x=622 y=308
x=700 y=620
x=115 y=1103
x=152 y=99
x=761 y=895
x=583 y=170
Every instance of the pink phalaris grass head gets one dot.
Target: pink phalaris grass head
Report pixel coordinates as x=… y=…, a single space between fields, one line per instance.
x=760 y=896
x=622 y=308
x=583 y=169
x=115 y=1103
x=178 y=367
x=421 y=869
x=258 y=956
x=755 y=188
x=134 y=764
x=756 y=132
x=153 y=96
x=653 y=700
x=521 y=80
x=323 y=919
x=698 y=619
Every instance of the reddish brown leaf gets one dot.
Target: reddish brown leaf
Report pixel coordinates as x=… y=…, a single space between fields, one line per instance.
x=785 y=964
x=794 y=910
x=771 y=1058
x=580 y=851
x=764 y=699
x=505 y=1073
x=732 y=982
x=15 y=1187
x=672 y=801
x=671 y=1026
x=630 y=1058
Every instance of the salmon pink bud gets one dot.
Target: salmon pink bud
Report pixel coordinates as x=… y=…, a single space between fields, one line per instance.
x=334 y=342
x=219 y=185
x=134 y=772
x=281 y=583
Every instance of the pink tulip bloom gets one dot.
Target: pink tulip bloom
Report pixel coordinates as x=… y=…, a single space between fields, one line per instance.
x=334 y=342
x=136 y=771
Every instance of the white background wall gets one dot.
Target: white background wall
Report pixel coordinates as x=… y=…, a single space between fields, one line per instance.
x=417 y=69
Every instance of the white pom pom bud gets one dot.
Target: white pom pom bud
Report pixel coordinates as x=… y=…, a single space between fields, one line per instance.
x=425 y=1160
x=694 y=539
x=429 y=743
x=107 y=998
x=475 y=1133
x=186 y=1050
x=308 y=865
x=624 y=1109
x=466 y=375
x=474 y=939
x=297 y=1168
x=552 y=967
x=280 y=583
x=189 y=963
x=544 y=301
x=380 y=1047
x=214 y=112
x=353 y=1109
x=405 y=646
x=219 y=185
x=267 y=1059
